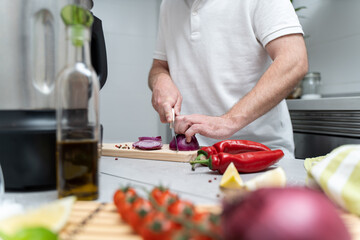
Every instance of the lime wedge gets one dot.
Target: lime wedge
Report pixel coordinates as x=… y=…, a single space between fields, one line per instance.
x=37 y=233
x=52 y=216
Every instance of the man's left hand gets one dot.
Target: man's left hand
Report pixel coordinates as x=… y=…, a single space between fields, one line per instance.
x=212 y=127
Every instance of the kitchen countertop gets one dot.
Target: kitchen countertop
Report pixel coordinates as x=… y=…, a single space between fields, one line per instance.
x=200 y=186
x=334 y=103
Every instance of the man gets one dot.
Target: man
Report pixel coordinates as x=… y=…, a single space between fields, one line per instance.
x=227 y=66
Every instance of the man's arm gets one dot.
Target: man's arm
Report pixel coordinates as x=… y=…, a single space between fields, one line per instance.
x=165 y=95
x=289 y=66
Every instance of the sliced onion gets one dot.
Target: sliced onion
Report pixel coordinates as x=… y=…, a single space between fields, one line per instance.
x=158 y=138
x=292 y=213
x=148 y=143
x=183 y=145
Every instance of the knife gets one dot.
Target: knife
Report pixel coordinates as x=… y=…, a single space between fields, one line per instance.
x=172 y=125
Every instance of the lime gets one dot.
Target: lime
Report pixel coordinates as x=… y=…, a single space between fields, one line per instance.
x=36 y=233
x=52 y=216
x=4 y=237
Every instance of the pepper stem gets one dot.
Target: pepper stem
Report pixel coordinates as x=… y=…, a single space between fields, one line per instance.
x=201 y=158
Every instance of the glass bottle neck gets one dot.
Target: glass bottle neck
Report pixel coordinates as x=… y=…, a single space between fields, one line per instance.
x=78 y=52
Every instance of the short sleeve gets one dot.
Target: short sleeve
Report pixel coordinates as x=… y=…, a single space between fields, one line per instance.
x=160 y=48
x=273 y=19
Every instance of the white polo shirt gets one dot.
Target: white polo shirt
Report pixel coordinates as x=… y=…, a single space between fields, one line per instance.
x=215 y=51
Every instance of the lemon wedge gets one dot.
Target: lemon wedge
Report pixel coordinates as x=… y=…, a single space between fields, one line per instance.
x=52 y=216
x=272 y=178
x=231 y=178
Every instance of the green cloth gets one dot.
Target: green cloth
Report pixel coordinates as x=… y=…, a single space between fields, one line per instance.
x=338 y=175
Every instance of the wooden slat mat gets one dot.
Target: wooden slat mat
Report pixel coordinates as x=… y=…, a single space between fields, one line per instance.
x=352 y=222
x=95 y=221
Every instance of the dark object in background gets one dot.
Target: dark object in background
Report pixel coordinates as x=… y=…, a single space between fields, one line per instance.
x=27 y=115
x=27 y=149
x=98 y=51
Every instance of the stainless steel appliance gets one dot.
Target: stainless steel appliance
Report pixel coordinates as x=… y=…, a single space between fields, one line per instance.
x=320 y=125
x=32 y=52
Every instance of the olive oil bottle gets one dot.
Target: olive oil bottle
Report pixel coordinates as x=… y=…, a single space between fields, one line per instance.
x=77 y=112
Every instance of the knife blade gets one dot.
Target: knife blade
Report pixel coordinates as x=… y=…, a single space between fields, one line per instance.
x=172 y=125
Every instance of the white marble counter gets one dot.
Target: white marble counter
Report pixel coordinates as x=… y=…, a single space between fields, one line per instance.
x=200 y=186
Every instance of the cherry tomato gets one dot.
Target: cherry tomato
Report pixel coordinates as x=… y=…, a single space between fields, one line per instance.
x=157 y=227
x=124 y=207
x=208 y=222
x=181 y=212
x=198 y=236
x=116 y=196
x=162 y=196
x=183 y=234
x=119 y=195
x=139 y=210
x=181 y=208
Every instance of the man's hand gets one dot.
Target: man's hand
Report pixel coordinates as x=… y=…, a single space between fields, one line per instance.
x=165 y=95
x=212 y=127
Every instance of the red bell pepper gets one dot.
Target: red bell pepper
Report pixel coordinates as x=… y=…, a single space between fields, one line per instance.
x=207 y=151
x=235 y=146
x=244 y=162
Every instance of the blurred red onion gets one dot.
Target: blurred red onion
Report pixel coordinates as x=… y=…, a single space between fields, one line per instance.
x=292 y=213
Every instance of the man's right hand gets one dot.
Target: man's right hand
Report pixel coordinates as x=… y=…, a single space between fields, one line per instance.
x=165 y=94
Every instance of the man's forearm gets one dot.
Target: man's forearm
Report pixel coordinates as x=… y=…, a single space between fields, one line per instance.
x=277 y=82
x=159 y=70
x=165 y=94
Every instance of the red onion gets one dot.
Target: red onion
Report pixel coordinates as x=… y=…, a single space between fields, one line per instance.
x=158 y=138
x=292 y=213
x=148 y=143
x=183 y=145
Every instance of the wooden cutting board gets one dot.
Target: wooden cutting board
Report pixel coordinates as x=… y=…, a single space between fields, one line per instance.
x=94 y=221
x=163 y=154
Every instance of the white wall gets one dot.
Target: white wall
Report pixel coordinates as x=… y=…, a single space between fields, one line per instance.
x=333 y=41
x=130 y=28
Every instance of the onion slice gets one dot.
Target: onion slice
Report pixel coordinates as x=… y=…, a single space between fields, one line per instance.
x=183 y=145
x=148 y=143
x=158 y=138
